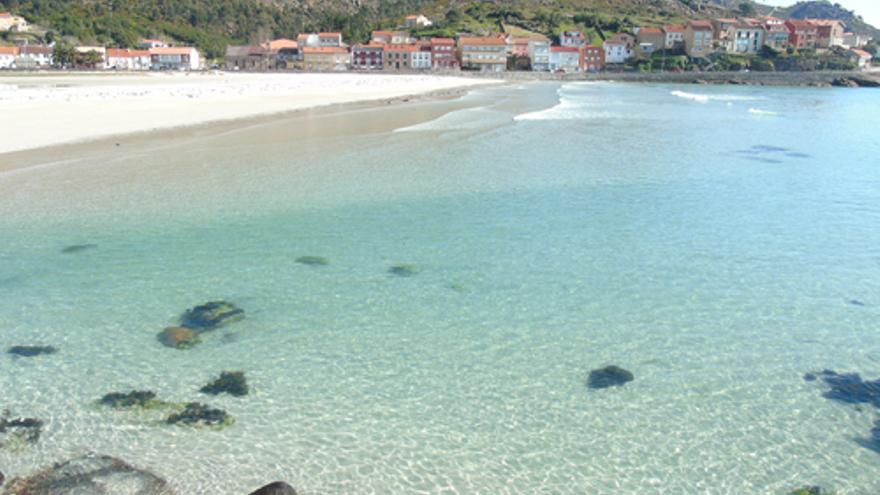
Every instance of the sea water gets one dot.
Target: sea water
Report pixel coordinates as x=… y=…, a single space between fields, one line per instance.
x=718 y=242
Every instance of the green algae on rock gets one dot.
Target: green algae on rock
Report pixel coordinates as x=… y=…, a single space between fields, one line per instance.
x=197 y=414
x=140 y=399
x=181 y=338
x=211 y=315
x=230 y=382
x=16 y=433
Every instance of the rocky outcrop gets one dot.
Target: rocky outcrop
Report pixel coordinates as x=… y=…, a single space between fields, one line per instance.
x=78 y=248
x=230 y=382
x=609 y=376
x=313 y=260
x=91 y=474
x=276 y=488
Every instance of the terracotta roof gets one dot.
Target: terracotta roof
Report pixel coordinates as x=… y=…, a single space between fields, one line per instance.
x=726 y=20
x=673 y=29
x=862 y=53
x=482 y=41
x=383 y=33
x=442 y=41
x=700 y=25
x=172 y=50
x=327 y=35
x=325 y=49
x=799 y=24
x=5 y=14
x=37 y=49
x=565 y=49
x=380 y=46
x=402 y=48
x=825 y=22
x=9 y=50
x=650 y=30
x=280 y=43
x=126 y=53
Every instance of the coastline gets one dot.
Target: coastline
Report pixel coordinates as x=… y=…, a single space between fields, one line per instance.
x=792 y=79
x=50 y=110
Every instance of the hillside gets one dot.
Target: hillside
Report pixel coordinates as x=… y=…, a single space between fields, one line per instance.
x=212 y=24
x=827 y=10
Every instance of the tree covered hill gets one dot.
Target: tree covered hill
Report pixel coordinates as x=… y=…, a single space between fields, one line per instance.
x=212 y=24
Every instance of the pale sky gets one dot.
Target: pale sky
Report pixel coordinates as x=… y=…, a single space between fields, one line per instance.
x=869 y=9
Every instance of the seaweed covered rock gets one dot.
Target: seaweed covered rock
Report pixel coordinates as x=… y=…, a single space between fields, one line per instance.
x=196 y=414
x=809 y=490
x=850 y=388
x=31 y=350
x=136 y=398
x=609 y=376
x=91 y=474
x=179 y=337
x=230 y=382
x=276 y=488
x=313 y=260
x=211 y=315
x=18 y=432
x=404 y=270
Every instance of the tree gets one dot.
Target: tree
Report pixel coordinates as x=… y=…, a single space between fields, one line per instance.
x=747 y=9
x=63 y=55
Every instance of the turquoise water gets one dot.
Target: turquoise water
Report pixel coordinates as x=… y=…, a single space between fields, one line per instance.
x=558 y=229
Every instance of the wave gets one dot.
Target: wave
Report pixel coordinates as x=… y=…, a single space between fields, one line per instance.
x=467 y=119
x=704 y=98
x=758 y=111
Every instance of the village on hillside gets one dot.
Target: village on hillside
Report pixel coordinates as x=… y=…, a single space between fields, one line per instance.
x=717 y=44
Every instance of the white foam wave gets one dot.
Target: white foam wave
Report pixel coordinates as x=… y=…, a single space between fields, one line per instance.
x=758 y=111
x=470 y=118
x=704 y=98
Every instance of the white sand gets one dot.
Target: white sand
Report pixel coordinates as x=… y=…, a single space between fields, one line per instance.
x=45 y=110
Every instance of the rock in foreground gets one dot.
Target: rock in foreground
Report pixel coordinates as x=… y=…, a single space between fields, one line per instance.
x=230 y=382
x=179 y=337
x=276 y=488
x=211 y=315
x=15 y=433
x=92 y=475
x=609 y=376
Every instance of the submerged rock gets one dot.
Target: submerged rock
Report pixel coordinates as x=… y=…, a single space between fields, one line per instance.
x=609 y=376
x=78 y=248
x=211 y=315
x=230 y=382
x=195 y=414
x=31 y=350
x=179 y=337
x=17 y=432
x=91 y=474
x=851 y=389
x=136 y=398
x=404 y=270
x=809 y=490
x=856 y=302
x=313 y=260
x=276 y=488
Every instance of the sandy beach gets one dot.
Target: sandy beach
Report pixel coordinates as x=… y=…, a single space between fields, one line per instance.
x=46 y=110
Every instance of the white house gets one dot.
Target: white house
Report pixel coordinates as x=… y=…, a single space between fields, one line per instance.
x=616 y=52
x=862 y=58
x=421 y=59
x=7 y=56
x=565 y=59
x=34 y=57
x=674 y=36
x=175 y=58
x=417 y=21
x=748 y=36
x=125 y=59
x=9 y=22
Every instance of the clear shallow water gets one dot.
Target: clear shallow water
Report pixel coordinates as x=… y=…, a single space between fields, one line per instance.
x=559 y=229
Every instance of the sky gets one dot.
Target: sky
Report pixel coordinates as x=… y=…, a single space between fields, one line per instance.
x=869 y=9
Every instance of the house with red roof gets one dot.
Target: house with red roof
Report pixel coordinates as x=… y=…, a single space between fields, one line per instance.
x=565 y=59
x=674 y=36
x=126 y=59
x=861 y=57
x=592 y=58
x=8 y=55
x=699 y=38
x=802 y=34
x=443 y=54
x=650 y=39
x=369 y=56
x=483 y=53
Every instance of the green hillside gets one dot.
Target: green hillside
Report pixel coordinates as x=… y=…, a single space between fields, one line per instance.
x=212 y=24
